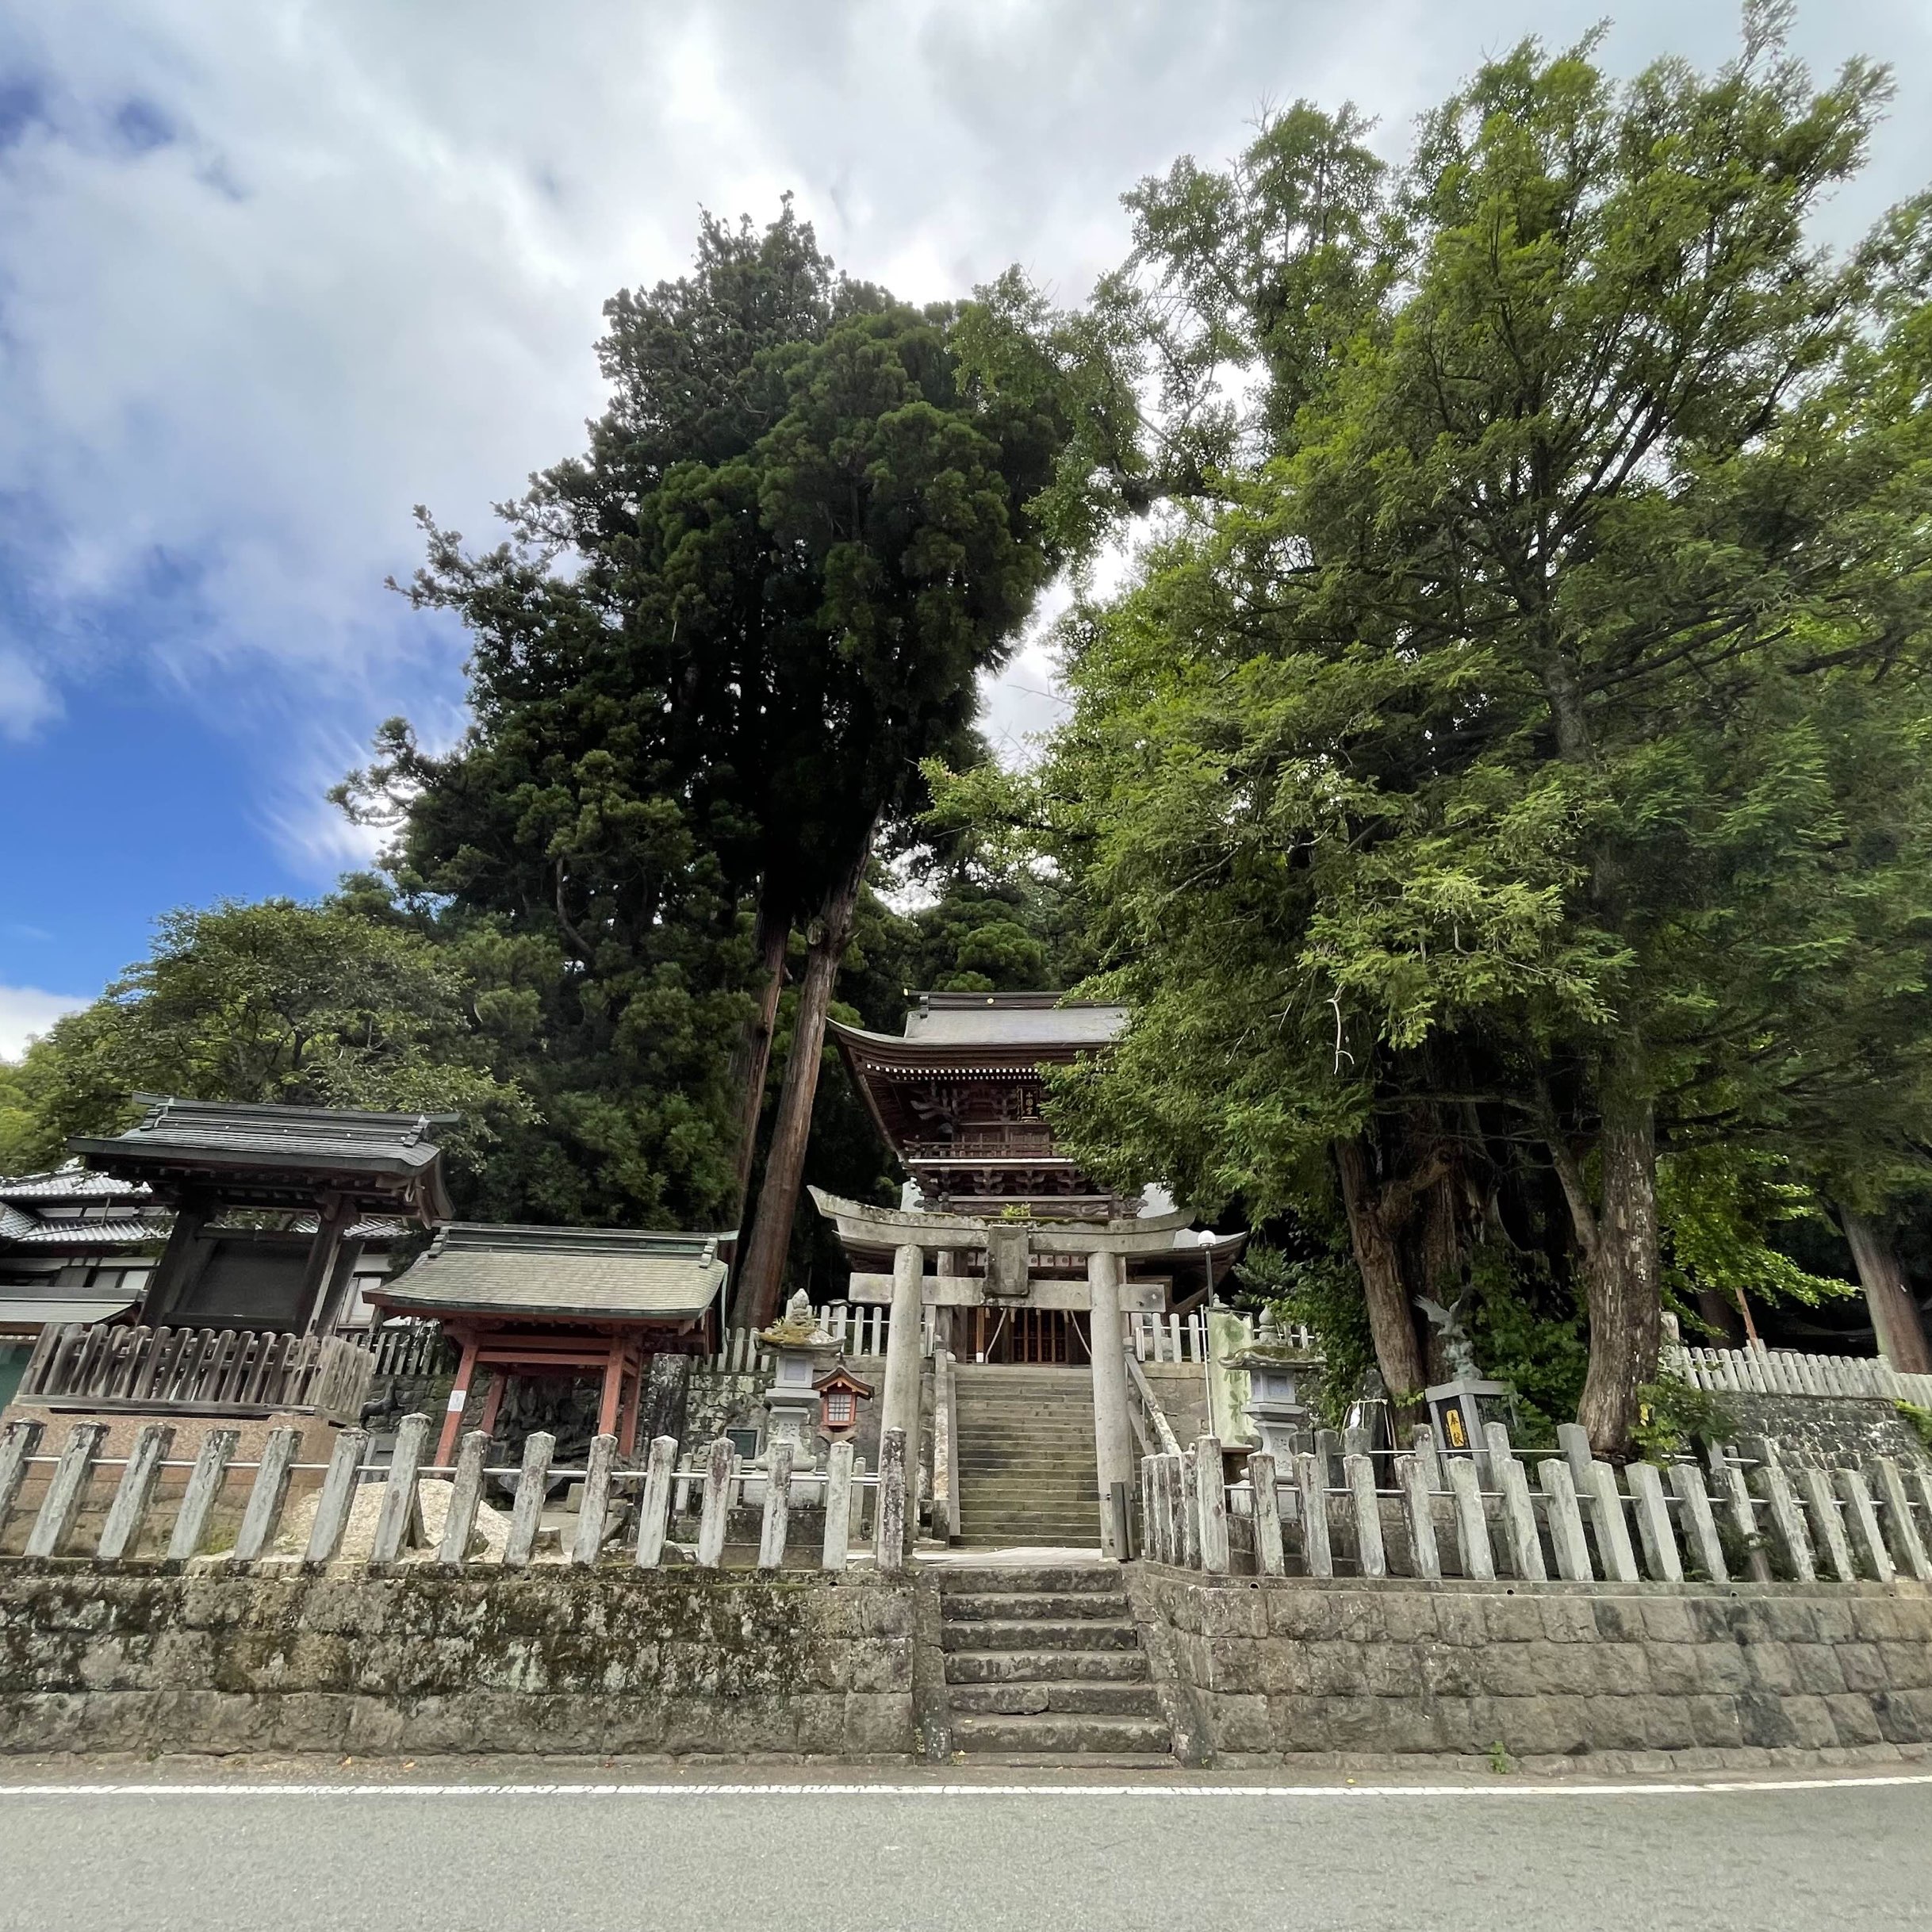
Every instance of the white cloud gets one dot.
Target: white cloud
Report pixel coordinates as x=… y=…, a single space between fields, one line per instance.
x=27 y=701
x=271 y=273
x=26 y=1013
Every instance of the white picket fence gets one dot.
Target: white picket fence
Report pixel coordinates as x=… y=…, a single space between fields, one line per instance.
x=658 y=1494
x=859 y=1328
x=1757 y=1370
x=1425 y=1515
x=1168 y=1338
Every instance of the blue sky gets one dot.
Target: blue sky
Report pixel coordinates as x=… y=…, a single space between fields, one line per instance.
x=271 y=273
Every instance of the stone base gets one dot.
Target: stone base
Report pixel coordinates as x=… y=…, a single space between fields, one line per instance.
x=1645 y=1676
x=609 y=1663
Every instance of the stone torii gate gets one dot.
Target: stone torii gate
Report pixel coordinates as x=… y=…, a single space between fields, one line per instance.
x=1106 y=1296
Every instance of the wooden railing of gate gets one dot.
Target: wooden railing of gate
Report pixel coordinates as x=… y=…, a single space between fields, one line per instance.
x=221 y=1371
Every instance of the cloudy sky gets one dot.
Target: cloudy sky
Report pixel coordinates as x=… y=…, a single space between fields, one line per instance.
x=273 y=271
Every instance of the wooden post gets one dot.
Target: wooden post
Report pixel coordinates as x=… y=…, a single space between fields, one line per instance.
x=458 y=1402
x=613 y=1394
x=206 y=1482
x=1211 y=1505
x=337 y=1496
x=1654 y=1526
x=777 y=1509
x=1741 y=1506
x=18 y=1443
x=714 y=1517
x=1567 y=1537
x=1312 y=1477
x=1700 y=1537
x=628 y=1433
x=401 y=1507
x=465 y=1494
x=1472 y=1519
x=265 y=1500
x=1269 y=1559
x=1422 y=1442
x=66 y=1491
x=1861 y=1520
x=533 y=1483
x=1526 y=1559
x=1413 y=1479
x=587 y=1545
x=129 y=1508
x=889 y=1523
x=1908 y=1549
x=654 y=1510
x=1787 y=1519
x=837 y=1508
x=1830 y=1530
x=1613 y=1545
x=1358 y=1473
x=338 y=1214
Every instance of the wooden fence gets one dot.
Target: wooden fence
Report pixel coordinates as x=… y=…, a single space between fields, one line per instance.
x=658 y=1492
x=1757 y=1370
x=407 y=1350
x=243 y=1371
x=1423 y=1515
x=859 y=1328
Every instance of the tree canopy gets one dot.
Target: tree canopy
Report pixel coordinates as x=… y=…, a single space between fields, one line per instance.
x=1507 y=761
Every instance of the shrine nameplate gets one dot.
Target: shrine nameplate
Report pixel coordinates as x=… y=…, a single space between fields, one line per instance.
x=966 y=1291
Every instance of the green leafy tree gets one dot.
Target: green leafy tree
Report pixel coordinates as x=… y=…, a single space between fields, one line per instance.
x=314 y=1006
x=707 y=665
x=1511 y=760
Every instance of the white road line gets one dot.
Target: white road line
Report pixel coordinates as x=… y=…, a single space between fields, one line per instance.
x=1683 y=1790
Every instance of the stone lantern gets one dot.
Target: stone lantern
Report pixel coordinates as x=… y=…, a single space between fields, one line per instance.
x=791 y=1403
x=1276 y=1370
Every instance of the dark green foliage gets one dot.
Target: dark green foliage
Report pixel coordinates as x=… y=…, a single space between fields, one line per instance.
x=315 y=1006
x=706 y=665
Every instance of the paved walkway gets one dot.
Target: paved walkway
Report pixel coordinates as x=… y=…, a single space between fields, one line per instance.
x=507 y=1847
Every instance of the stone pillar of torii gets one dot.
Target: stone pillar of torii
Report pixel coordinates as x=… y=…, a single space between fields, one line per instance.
x=1107 y=1297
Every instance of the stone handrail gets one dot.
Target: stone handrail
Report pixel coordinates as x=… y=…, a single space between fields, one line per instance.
x=1150 y=1427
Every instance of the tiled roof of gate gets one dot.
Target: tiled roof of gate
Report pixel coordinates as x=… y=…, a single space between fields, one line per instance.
x=71 y=1182
x=588 y=1274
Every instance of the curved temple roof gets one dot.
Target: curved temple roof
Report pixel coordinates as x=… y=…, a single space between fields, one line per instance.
x=266 y=1156
x=562 y=1274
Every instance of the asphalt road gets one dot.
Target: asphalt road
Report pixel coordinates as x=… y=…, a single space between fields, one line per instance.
x=1046 y=1853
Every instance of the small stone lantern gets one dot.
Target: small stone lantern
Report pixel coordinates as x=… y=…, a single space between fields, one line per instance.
x=792 y=1402
x=1276 y=1370
x=839 y=1393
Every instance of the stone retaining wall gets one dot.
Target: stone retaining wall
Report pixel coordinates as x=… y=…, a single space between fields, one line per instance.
x=1263 y=1670
x=598 y=1663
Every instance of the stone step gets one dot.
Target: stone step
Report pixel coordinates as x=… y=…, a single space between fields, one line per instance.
x=1057 y=1606
x=1038 y=1634
x=1052 y=1732
x=1025 y=1698
x=1030 y=1532
x=1100 y=1579
x=1045 y=1667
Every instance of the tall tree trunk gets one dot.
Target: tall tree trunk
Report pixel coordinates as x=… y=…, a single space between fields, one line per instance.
x=1895 y=1314
x=1621 y=1286
x=1373 y=1229
x=753 y=1056
x=761 y=1273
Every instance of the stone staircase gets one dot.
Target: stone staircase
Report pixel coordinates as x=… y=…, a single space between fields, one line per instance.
x=1026 y=1468
x=1047 y=1659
